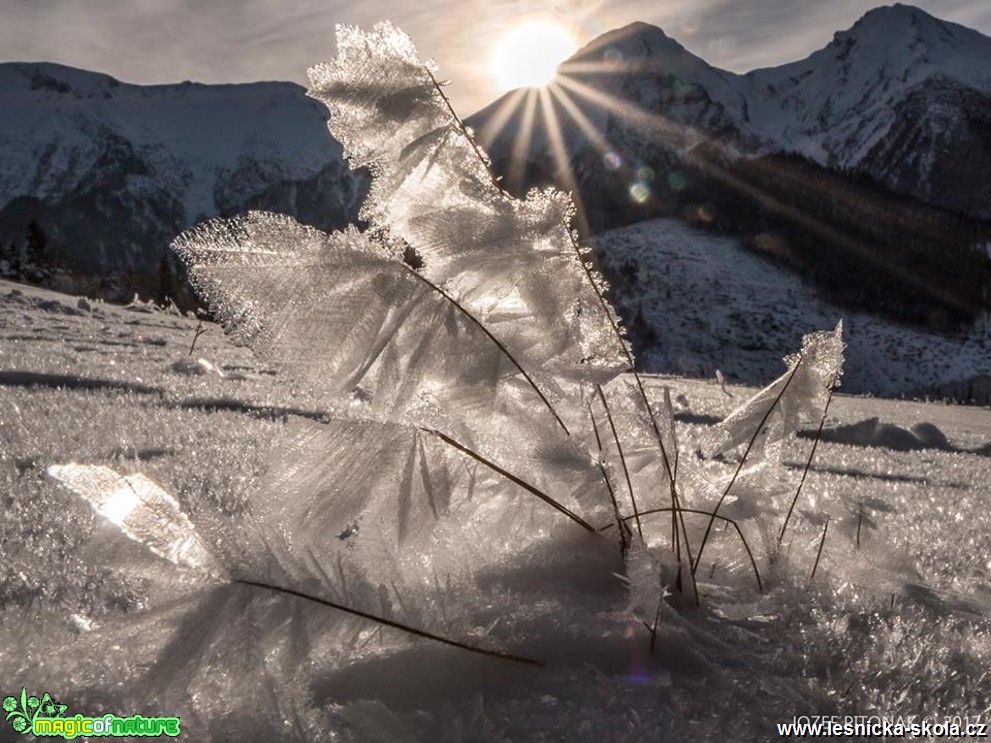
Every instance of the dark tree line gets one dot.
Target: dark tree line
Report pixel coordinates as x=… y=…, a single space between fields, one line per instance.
x=860 y=245
x=28 y=260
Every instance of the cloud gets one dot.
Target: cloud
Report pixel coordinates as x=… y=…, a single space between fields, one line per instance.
x=159 y=41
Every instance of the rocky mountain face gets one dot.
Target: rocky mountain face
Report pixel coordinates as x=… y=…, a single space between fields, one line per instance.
x=112 y=172
x=799 y=161
x=902 y=98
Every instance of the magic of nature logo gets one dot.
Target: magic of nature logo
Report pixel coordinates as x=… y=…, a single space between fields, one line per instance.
x=45 y=718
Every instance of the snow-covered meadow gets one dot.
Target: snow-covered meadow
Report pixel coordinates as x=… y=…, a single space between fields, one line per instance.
x=408 y=515
x=899 y=626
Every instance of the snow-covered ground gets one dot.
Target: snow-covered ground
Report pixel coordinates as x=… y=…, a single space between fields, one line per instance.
x=714 y=305
x=897 y=626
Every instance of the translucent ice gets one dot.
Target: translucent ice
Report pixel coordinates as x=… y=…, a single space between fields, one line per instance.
x=512 y=263
x=371 y=339
x=796 y=397
x=141 y=510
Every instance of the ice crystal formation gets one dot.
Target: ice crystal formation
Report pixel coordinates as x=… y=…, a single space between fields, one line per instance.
x=479 y=464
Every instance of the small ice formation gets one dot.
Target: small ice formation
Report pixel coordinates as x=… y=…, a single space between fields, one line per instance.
x=197 y=367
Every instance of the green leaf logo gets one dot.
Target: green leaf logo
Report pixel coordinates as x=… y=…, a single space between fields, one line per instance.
x=22 y=712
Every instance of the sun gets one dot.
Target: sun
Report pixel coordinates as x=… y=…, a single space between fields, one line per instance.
x=528 y=55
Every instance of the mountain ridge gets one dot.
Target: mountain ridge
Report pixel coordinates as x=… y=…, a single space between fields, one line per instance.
x=113 y=171
x=897 y=74
x=866 y=171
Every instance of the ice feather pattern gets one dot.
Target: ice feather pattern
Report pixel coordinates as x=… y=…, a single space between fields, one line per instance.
x=369 y=338
x=361 y=526
x=797 y=396
x=390 y=530
x=510 y=262
x=143 y=511
x=347 y=321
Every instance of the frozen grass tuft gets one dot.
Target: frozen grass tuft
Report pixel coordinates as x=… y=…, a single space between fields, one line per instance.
x=431 y=470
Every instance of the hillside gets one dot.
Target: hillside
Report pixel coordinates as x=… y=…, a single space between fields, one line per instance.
x=695 y=302
x=901 y=97
x=112 y=172
x=864 y=168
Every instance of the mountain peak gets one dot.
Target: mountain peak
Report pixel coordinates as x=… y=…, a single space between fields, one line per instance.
x=635 y=40
x=897 y=10
x=904 y=44
x=113 y=171
x=894 y=25
x=53 y=78
x=900 y=18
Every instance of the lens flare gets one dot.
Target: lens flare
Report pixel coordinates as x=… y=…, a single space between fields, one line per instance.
x=639 y=192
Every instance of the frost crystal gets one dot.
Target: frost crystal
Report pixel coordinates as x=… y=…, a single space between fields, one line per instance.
x=511 y=263
x=474 y=435
x=798 y=396
x=351 y=323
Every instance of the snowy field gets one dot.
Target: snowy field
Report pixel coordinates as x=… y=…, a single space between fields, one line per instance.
x=898 y=625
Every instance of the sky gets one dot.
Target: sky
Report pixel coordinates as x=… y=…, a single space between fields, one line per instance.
x=212 y=41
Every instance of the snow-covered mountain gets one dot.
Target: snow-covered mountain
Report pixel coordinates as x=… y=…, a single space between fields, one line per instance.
x=902 y=97
x=112 y=172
